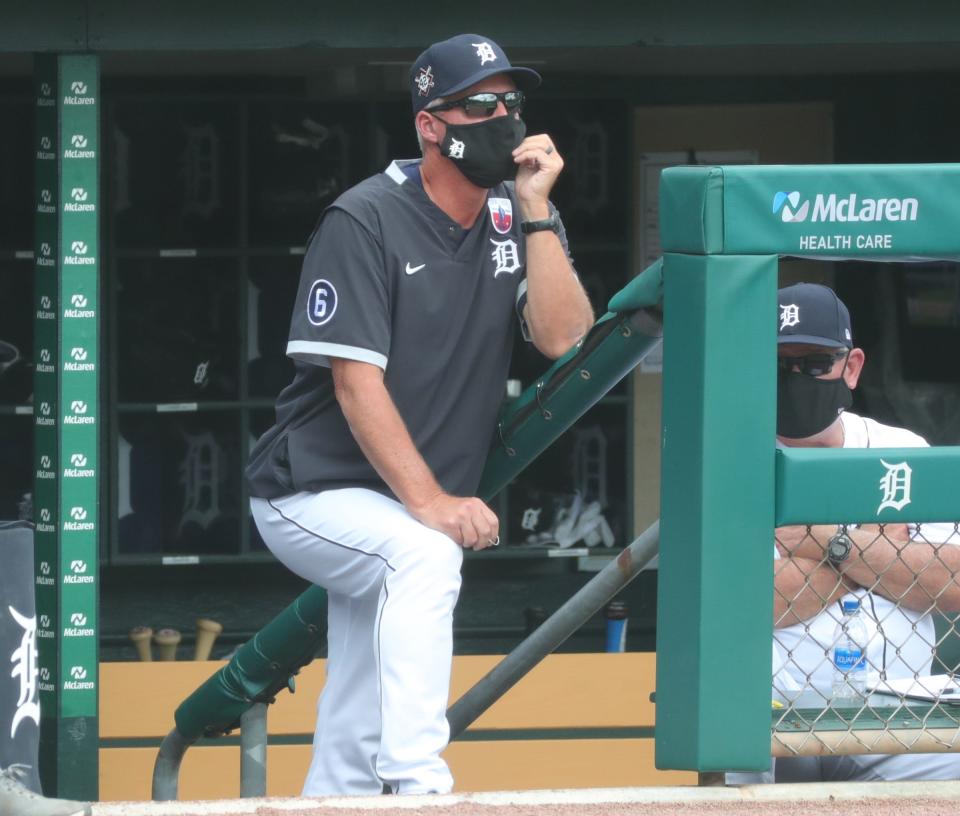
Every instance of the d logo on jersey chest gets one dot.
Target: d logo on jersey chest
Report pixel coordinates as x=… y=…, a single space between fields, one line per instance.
x=501 y=214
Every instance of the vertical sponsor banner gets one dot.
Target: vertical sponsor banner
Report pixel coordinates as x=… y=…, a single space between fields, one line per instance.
x=46 y=402
x=67 y=435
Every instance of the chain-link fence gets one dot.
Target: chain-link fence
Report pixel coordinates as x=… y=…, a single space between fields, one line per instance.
x=866 y=640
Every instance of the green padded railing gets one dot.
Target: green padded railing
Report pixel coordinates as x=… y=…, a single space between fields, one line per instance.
x=574 y=383
x=263 y=667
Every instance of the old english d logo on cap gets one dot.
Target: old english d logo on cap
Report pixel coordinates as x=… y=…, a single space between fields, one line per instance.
x=812 y=313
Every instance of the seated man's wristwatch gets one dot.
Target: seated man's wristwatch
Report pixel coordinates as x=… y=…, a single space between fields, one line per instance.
x=838 y=547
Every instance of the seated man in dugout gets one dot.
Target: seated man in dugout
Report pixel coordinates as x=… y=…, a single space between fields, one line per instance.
x=903 y=575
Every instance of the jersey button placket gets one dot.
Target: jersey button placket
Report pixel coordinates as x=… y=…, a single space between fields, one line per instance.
x=453 y=238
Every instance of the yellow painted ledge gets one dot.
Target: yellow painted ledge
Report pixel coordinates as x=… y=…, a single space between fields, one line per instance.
x=564 y=691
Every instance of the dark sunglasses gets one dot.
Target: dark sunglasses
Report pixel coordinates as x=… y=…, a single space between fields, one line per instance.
x=816 y=365
x=485 y=103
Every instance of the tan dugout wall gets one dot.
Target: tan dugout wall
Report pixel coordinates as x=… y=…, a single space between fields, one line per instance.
x=576 y=721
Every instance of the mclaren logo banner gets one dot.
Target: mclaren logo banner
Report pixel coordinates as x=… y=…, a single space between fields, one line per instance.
x=884 y=212
x=857 y=211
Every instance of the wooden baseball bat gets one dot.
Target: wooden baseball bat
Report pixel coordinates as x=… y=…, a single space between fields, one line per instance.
x=141 y=637
x=167 y=640
x=207 y=631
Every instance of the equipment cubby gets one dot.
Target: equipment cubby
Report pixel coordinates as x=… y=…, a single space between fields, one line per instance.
x=209 y=194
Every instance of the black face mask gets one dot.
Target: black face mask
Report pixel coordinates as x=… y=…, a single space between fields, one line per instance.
x=807 y=405
x=484 y=151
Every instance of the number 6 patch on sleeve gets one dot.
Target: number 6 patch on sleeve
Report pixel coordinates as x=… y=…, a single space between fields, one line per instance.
x=321 y=302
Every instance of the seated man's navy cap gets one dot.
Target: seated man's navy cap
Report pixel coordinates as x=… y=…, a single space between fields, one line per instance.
x=812 y=313
x=449 y=67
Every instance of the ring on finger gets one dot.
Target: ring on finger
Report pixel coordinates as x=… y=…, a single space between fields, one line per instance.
x=549 y=149
x=494 y=542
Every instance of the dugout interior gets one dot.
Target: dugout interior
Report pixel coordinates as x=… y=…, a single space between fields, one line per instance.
x=220 y=148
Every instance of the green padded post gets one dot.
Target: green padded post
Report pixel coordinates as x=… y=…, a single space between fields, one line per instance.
x=691 y=210
x=715 y=592
x=67 y=418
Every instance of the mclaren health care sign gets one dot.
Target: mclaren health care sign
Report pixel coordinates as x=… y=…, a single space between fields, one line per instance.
x=879 y=212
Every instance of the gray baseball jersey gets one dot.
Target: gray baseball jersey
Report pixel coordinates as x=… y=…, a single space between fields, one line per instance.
x=389 y=279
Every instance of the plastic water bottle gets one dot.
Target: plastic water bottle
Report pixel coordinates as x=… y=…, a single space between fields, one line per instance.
x=850 y=656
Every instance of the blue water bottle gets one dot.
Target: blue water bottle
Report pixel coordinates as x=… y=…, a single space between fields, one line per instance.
x=616 y=615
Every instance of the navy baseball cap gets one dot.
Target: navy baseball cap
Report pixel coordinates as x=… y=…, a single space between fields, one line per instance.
x=448 y=67
x=811 y=313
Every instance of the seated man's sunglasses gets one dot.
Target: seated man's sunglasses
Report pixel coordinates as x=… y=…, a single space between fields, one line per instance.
x=484 y=103
x=816 y=365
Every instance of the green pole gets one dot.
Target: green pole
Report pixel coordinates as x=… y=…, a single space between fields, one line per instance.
x=715 y=592
x=66 y=424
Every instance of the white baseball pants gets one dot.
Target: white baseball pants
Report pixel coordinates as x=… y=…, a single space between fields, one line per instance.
x=392 y=585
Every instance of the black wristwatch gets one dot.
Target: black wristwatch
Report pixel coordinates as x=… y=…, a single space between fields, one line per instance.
x=838 y=547
x=551 y=223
